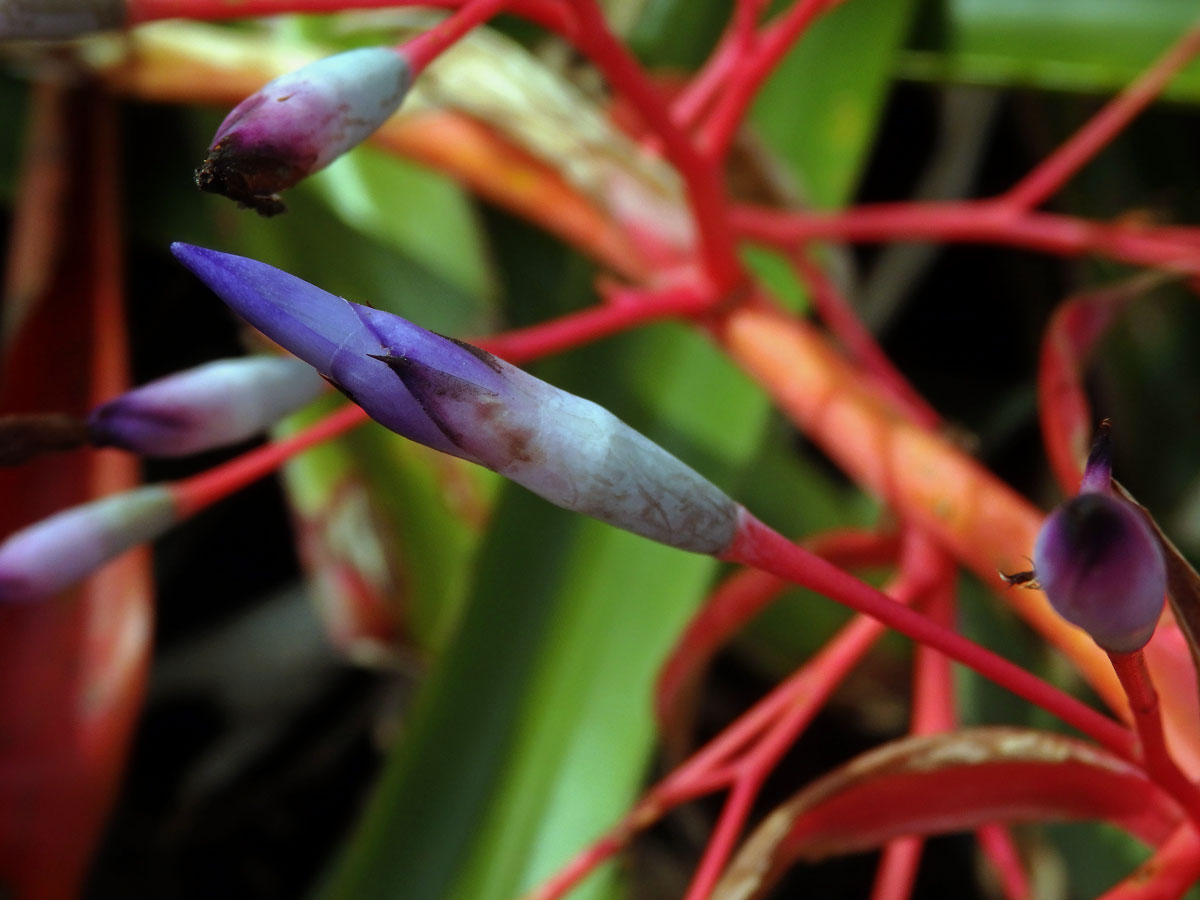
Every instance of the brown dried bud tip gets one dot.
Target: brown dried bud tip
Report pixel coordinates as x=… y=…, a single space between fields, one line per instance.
x=252 y=179
x=24 y=437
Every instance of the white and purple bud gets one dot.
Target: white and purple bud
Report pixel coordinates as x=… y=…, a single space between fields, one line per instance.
x=50 y=19
x=1100 y=564
x=300 y=123
x=210 y=406
x=463 y=401
x=53 y=554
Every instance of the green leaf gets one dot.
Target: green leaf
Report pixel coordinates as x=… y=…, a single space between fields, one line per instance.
x=1083 y=45
x=819 y=109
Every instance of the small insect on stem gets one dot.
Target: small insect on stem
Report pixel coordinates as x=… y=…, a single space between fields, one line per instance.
x=1027 y=580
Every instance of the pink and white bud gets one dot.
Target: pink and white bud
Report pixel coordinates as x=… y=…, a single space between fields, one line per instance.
x=49 y=19
x=212 y=405
x=53 y=554
x=300 y=123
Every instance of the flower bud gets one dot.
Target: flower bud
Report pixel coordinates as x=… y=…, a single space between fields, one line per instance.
x=44 y=19
x=301 y=122
x=210 y=406
x=462 y=400
x=1099 y=562
x=54 y=553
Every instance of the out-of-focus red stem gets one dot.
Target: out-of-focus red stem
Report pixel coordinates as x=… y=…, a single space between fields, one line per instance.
x=897 y=870
x=997 y=844
x=706 y=191
x=723 y=759
x=427 y=46
x=1063 y=409
x=755 y=66
x=972 y=222
x=841 y=319
x=551 y=14
x=733 y=48
x=200 y=491
x=737 y=600
x=1055 y=170
x=1169 y=874
x=759 y=546
x=1147 y=718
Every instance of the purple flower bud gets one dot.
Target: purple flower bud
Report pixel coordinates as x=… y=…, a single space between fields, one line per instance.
x=54 y=553
x=58 y=18
x=1103 y=570
x=210 y=406
x=462 y=400
x=300 y=123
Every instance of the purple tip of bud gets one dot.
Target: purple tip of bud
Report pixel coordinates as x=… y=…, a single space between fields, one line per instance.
x=301 y=122
x=1097 y=474
x=340 y=339
x=53 y=554
x=213 y=405
x=48 y=19
x=1103 y=570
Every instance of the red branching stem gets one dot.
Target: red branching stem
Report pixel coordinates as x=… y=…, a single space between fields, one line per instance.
x=770 y=48
x=845 y=324
x=706 y=192
x=423 y=49
x=734 y=603
x=724 y=759
x=551 y=14
x=972 y=222
x=1054 y=171
x=730 y=53
x=759 y=546
x=200 y=491
x=1147 y=718
x=921 y=570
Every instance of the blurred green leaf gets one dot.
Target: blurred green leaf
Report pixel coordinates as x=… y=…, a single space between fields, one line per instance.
x=1084 y=45
x=818 y=110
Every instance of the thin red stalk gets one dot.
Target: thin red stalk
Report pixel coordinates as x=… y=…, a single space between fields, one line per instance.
x=1147 y=718
x=706 y=192
x=1055 y=170
x=424 y=48
x=756 y=66
x=845 y=324
x=718 y=764
x=730 y=53
x=735 y=602
x=603 y=320
x=998 y=846
x=551 y=14
x=200 y=491
x=982 y=222
x=759 y=546
x=828 y=669
x=897 y=870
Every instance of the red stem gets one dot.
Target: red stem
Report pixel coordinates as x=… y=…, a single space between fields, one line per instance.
x=423 y=49
x=1055 y=170
x=1147 y=719
x=997 y=844
x=980 y=222
x=706 y=190
x=759 y=546
x=1168 y=875
x=740 y=90
x=200 y=491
